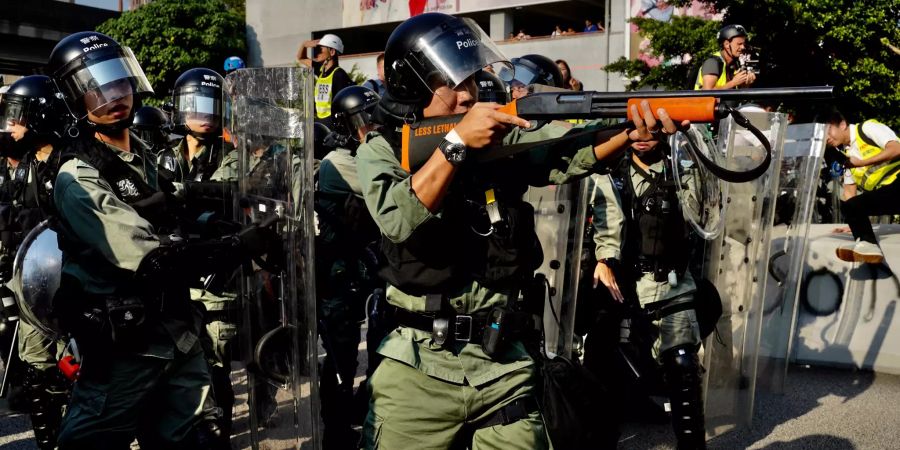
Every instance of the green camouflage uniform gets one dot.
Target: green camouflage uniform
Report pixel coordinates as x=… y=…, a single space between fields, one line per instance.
x=423 y=393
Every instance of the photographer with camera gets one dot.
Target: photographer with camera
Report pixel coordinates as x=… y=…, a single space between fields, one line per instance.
x=727 y=68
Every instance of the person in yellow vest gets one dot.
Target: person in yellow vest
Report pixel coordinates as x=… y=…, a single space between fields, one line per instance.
x=873 y=163
x=330 y=78
x=722 y=69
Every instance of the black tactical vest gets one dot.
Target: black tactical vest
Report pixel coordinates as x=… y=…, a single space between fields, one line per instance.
x=656 y=234
x=452 y=250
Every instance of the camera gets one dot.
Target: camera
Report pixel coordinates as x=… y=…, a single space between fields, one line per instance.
x=749 y=62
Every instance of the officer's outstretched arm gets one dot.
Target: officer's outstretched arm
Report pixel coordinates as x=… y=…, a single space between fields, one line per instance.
x=176 y=259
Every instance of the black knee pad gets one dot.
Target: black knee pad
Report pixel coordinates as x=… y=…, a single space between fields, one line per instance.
x=682 y=366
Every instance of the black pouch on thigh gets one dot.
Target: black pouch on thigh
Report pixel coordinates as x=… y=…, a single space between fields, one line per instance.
x=127 y=317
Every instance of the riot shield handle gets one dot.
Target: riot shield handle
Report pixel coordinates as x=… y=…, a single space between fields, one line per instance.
x=262 y=351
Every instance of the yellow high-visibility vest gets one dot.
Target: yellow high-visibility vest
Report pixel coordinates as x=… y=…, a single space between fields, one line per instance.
x=722 y=81
x=323 y=94
x=869 y=178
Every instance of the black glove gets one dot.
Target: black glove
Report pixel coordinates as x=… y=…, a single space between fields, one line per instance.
x=259 y=238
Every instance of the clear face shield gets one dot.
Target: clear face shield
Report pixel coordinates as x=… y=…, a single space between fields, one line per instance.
x=97 y=81
x=358 y=120
x=13 y=110
x=449 y=56
x=199 y=109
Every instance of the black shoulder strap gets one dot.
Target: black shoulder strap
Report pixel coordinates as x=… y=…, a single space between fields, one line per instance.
x=126 y=184
x=864 y=137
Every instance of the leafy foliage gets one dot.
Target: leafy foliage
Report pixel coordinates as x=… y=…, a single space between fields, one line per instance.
x=683 y=36
x=169 y=37
x=357 y=75
x=849 y=44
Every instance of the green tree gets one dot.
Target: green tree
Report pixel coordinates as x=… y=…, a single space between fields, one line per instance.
x=844 y=43
x=169 y=37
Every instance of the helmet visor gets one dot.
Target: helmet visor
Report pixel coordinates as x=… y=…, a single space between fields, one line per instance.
x=198 y=107
x=12 y=113
x=449 y=56
x=525 y=72
x=99 y=81
x=358 y=120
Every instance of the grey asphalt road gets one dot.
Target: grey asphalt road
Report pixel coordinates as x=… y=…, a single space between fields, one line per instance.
x=821 y=409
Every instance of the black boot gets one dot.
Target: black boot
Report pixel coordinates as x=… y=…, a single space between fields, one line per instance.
x=47 y=392
x=684 y=379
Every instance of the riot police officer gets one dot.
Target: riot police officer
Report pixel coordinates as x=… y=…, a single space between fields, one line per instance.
x=197 y=113
x=202 y=157
x=345 y=271
x=453 y=270
x=643 y=252
x=123 y=293
x=30 y=112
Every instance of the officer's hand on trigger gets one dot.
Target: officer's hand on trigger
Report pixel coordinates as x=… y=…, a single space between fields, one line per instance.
x=604 y=274
x=647 y=127
x=484 y=125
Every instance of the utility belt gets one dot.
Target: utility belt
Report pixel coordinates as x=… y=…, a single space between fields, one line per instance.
x=229 y=315
x=493 y=329
x=661 y=270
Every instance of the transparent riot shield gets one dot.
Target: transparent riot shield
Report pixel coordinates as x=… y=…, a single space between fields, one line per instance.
x=736 y=263
x=701 y=194
x=804 y=147
x=271 y=127
x=560 y=220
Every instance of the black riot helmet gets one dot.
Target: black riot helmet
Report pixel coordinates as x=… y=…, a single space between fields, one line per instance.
x=150 y=118
x=729 y=32
x=197 y=101
x=491 y=88
x=352 y=108
x=434 y=49
x=536 y=69
x=32 y=102
x=322 y=140
x=91 y=71
x=152 y=125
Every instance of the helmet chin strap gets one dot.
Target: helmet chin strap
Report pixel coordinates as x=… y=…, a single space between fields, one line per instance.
x=392 y=112
x=728 y=49
x=114 y=128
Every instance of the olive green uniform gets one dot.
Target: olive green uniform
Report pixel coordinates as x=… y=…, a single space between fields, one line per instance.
x=155 y=393
x=344 y=282
x=424 y=393
x=675 y=329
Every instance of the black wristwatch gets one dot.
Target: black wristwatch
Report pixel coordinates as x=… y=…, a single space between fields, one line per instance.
x=455 y=152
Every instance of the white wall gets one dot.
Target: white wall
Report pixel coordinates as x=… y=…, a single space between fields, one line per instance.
x=276 y=28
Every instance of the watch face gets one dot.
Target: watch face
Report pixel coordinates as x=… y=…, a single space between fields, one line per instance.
x=455 y=153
